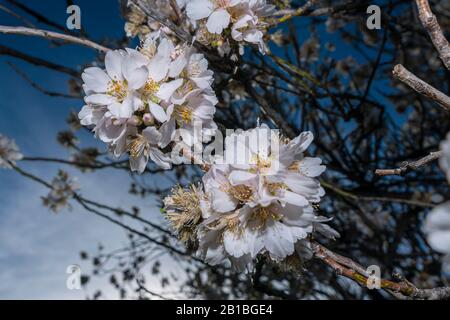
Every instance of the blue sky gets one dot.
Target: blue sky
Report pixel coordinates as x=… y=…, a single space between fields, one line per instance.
x=36 y=245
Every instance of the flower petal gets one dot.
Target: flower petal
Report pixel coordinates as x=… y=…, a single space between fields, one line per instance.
x=158 y=112
x=217 y=21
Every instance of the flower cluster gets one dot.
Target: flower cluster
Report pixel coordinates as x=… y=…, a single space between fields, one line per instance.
x=138 y=24
x=263 y=205
x=219 y=21
x=9 y=152
x=144 y=95
x=63 y=187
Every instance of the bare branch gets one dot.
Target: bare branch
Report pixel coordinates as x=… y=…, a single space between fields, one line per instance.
x=409 y=166
x=430 y=23
x=404 y=75
x=38 y=87
x=352 y=270
x=52 y=35
x=37 y=61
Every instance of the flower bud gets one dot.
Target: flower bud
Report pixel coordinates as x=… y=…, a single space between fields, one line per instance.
x=148 y=119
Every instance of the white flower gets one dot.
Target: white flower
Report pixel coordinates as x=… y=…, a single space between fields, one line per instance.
x=144 y=146
x=117 y=87
x=264 y=204
x=135 y=106
x=437 y=228
x=247 y=19
x=248 y=26
x=444 y=160
x=195 y=113
x=9 y=152
x=217 y=13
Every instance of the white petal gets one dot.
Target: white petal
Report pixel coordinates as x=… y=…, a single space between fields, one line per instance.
x=295 y=199
x=113 y=64
x=122 y=110
x=221 y=201
x=217 y=21
x=160 y=158
x=166 y=90
x=138 y=164
x=167 y=130
x=158 y=112
x=302 y=142
x=311 y=167
x=241 y=177
x=152 y=135
x=199 y=9
x=96 y=79
x=136 y=77
x=99 y=99
x=177 y=66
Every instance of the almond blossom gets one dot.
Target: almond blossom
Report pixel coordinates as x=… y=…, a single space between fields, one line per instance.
x=244 y=18
x=9 y=152
x=263 y=205
x=132 y=104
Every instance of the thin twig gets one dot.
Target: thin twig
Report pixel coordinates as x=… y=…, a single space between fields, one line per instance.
x=430 y=23
x=352 y=270
x=4 y=50
x=38 y=87
x=409 y=166
x=407 y=77
x=52 y=35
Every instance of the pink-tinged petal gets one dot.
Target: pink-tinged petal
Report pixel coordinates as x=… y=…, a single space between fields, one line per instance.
x=96 y=79
x=158 y=112
x=113 y=64
x=217 y=21
x=199 y=9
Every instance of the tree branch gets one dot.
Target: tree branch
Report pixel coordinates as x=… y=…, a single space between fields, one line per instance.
x=402 y=74
x=409 y=166
x=430 y=23
x=352 y=270
x=52 y=35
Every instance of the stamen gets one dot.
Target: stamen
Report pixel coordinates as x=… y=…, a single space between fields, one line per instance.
x=118 y=89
